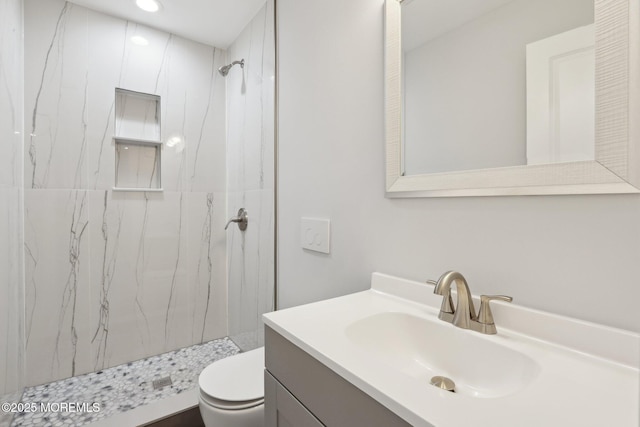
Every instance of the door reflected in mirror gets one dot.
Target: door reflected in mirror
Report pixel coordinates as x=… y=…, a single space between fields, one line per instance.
x=496 y=83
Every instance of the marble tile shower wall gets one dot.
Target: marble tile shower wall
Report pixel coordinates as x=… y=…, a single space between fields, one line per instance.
x=250 y=162
x=113 y=277
x=11 y=237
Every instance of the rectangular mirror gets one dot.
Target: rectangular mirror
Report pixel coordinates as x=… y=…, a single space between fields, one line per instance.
x=511 y=97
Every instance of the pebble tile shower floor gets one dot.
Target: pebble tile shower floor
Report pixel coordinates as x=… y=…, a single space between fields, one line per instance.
x=122 y=387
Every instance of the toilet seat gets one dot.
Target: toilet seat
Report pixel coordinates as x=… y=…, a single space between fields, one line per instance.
x=229 y=406
x=234 y=383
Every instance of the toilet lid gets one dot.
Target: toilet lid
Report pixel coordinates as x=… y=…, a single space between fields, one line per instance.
x=238 y=378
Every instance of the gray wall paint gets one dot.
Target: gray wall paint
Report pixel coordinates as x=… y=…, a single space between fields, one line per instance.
x=573 y=255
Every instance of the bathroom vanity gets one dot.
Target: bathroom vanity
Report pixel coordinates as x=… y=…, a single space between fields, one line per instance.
x=367 y=359
x=301 y=391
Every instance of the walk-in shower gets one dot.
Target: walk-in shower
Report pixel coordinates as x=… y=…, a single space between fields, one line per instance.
x=102 y=278
x=224 y=70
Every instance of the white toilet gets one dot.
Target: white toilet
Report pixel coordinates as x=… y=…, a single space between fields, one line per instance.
x=232 y=391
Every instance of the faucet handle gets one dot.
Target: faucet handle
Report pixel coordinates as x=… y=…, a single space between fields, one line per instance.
x=242 y=220
x=447 y=301
x=485 y=316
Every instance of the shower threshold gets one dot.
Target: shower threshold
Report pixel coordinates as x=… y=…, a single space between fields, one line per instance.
x=112 y=391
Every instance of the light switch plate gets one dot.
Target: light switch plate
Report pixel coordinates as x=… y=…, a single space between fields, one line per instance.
x=315 y=234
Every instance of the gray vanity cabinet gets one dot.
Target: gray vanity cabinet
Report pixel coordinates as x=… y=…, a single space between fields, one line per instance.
x=282 y=409
x=302 y=392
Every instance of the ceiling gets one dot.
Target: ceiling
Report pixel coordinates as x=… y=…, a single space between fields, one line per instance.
x=423 y=20
x=213 y=22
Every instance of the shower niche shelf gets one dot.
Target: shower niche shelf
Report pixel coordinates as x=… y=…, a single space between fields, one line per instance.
x=138 y=165
x=138 y=145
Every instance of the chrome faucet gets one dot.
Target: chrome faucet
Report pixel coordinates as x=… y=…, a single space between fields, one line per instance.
x=464 y=313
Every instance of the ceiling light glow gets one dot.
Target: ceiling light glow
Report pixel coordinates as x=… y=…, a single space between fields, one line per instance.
x=140 y=41
x=148 y=5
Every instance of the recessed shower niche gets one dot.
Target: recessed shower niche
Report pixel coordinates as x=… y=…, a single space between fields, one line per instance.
x=137 y=141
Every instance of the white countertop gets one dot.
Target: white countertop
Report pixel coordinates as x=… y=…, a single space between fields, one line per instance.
x=588 y=374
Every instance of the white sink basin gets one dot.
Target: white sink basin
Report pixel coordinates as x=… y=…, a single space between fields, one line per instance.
x=423 y=348
x=539 y=370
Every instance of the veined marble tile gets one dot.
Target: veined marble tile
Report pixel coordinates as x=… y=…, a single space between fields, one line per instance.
x=11 y=211
x=146 y=271
x=205 y=120
x=57 y=277
x=11 y=78
x=193 y=123
x=192 y=101
x=251 y=268
x=140 y=295
x=138 y=299
x=250 y=163
x=76 y=58
x=206 y=266
x=11 y=293
x=114 y=61
x=143 y=302
x=107 y=38
x=250 y=103
x=56 y=95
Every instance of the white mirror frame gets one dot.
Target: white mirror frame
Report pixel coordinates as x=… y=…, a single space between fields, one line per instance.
x=617 y=134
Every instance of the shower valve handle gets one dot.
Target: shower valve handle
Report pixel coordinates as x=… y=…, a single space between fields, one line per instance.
x=242 y=219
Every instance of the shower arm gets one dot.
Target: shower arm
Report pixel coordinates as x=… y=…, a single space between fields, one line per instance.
x=224 y=70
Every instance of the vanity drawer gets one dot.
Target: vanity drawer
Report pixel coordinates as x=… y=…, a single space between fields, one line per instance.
x=282 y=409
x=328 y=396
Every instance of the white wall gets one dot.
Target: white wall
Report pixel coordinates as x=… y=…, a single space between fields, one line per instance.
x=573 y=255
x=465 y=103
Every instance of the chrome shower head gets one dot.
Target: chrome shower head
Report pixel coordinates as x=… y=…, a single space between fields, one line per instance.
x=224 y=70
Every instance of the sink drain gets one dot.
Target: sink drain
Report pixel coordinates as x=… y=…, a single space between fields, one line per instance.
x=443 y=383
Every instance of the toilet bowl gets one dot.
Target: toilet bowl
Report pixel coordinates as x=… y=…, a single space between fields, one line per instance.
x=232 y=391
